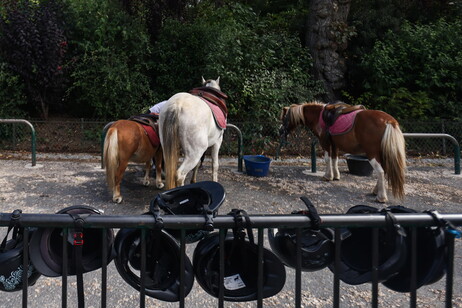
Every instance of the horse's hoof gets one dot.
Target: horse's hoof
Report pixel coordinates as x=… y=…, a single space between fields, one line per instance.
x=336 y=179
x=160 y=186
x=326 y=179
x=381 y=200
x=146 y=183
x=118 y=199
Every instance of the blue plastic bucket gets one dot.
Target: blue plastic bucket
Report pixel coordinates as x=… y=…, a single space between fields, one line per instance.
x=257 y=165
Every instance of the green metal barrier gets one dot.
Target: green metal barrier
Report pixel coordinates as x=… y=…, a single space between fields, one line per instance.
x=33 y=136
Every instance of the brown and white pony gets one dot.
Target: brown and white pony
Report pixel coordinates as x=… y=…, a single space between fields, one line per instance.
x=126 y=141
x=374 y=133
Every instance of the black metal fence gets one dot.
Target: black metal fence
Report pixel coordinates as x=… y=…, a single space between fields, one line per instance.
x=84 y=136
x=259 y=224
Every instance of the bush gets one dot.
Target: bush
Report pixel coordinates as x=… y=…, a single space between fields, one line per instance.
x=109 y=64
x=12 y=95
x=418 y=68
x=33 y=44
x=261 y=69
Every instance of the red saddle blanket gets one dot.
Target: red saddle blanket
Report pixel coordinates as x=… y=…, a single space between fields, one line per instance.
x=342 y=125
x=216 y=100
x=218 y=114
x=152 y=134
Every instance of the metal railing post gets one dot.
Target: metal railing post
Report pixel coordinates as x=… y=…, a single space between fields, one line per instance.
x=446 y=136
x=33 y=136
x=313 y=154
x=239 y=145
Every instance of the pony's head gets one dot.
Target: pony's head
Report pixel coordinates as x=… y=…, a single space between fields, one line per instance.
x=212 y=83
x=290 y=117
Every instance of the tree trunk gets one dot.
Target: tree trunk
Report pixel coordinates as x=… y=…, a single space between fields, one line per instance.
x=324 y=37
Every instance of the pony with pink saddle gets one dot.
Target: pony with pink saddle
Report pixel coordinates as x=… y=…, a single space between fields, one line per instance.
x=354 y=130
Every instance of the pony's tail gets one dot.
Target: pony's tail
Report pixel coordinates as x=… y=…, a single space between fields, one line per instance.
x=170 y=146
x=394 y=158
x=111 y=156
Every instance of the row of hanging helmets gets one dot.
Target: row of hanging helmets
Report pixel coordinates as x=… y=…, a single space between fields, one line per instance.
x=163 y=257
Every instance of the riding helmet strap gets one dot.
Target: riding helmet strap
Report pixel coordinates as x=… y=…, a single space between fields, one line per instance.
x=443 y=223
x=312 y=213
x=154 y=245
x=13 y=225
x=393 y=223
x=78 y=247
x=160 y=202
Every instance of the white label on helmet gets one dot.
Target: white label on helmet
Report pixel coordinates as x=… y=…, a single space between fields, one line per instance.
x=233 y=282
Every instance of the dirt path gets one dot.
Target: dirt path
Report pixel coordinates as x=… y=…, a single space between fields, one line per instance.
x=55 y=184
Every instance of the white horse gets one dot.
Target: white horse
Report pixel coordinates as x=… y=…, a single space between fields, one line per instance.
x=187 y=123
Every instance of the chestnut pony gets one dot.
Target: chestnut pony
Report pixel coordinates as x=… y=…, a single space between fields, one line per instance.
x=374 y=133
x=187 y=123
x=126 y=141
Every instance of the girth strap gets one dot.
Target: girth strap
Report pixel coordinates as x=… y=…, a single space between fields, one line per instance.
x=77 y=256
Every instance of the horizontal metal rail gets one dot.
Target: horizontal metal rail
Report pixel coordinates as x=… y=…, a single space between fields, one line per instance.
x=33 y=136
x=258 y=222
x=225 y=221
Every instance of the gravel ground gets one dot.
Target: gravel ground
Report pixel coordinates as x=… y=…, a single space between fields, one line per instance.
x=58 y=181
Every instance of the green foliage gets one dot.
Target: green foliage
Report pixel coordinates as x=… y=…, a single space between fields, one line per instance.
x=261 y=69
x=418 y=70
x=12 y=95
x=110 y=63
x=33 y=44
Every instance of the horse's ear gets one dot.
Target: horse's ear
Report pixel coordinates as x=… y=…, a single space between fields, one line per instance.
x=203 y=80
x=218 y=80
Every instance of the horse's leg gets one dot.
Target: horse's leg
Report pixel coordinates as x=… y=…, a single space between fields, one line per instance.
x=116 y=196
x=336 y=172
x=215 y=162
x=147 y=169
x=379 y=189
x=194 y=175
x=188 y=164
x=328 y=176
x=158 y=164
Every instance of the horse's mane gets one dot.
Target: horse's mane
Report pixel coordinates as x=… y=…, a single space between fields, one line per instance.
x=296 y=112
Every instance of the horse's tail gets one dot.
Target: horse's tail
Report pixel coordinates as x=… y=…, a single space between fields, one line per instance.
x=111 y=156
x=394 y=158
x=170 y=146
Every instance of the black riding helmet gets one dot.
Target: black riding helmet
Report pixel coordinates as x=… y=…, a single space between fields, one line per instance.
x=46 y=247
x=11 y=259
x=317 y=247
x=356 y=249
x=201 y=198
x=431 y=257
x=162 y=279
x=240 y=268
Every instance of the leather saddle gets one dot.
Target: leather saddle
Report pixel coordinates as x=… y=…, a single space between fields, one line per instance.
x=212 y=95
x=149 y=119
x=332 y=111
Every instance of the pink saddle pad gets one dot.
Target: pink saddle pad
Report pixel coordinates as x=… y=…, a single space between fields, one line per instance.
x=342 y=125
